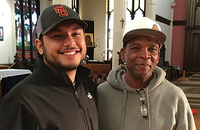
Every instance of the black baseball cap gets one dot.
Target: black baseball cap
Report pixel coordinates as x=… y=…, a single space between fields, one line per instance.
x=53 y=15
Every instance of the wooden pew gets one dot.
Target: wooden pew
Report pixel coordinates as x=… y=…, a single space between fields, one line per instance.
x=99 y=72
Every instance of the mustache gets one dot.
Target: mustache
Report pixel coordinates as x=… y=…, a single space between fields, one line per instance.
x=69 y=48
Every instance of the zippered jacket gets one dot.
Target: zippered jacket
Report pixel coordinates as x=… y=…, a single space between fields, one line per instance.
x=120 y=106
x=48 y=101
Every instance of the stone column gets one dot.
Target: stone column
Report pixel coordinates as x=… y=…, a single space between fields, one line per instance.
x=151 y=9
x=169 y=36
x=119 y=16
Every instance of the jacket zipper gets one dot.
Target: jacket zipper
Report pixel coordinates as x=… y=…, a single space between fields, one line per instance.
x=80 y=106
x=90 y=117
x=82 y=110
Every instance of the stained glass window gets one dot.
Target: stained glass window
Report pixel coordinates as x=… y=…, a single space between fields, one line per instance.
x=26 y=14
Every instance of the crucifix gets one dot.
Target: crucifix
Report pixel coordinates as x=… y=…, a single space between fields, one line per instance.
x=122 y=20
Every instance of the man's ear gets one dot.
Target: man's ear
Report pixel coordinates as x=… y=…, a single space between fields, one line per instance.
x=122 y=53
x=38 y=44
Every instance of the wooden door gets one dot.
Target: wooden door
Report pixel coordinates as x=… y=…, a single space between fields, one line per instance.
x=192 y=41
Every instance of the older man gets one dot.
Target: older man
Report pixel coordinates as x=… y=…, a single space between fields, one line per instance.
x=136 y=95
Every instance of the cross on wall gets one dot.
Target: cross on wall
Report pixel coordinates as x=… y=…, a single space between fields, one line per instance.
x=122 y=21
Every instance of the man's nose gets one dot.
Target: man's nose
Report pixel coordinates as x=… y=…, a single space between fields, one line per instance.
x=69 y=41
x=145 y=53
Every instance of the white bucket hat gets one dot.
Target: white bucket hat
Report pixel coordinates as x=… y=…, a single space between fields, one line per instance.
x=143 y=26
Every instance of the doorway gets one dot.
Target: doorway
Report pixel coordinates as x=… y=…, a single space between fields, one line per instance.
x=192 y=41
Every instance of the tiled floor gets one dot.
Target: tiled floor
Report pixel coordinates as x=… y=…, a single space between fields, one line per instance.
x=197 y=118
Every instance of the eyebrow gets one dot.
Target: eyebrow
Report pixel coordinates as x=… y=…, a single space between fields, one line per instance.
x=134 y=44
x=77 y=28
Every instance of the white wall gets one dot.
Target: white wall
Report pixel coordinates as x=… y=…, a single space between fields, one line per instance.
x=163 y=9
x=65 y=2
x=7 y=21
x=44 y=4
x=95 y=10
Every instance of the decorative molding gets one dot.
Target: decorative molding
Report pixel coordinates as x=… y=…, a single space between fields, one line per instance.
x=163 y=20
x=173 y=3
x=179 y=23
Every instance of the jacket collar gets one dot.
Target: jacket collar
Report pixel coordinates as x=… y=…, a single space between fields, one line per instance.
x=45 y=73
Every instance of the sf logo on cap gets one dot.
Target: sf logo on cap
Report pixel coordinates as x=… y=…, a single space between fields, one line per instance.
x=61 y=11
x=155 y=27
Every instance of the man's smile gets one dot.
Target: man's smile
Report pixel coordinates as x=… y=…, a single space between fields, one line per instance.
x=69 y=52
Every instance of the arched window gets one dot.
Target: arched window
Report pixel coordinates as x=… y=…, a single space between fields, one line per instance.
x=26 y=15
x=110 y=18
x=135 y=9
x=75 y=5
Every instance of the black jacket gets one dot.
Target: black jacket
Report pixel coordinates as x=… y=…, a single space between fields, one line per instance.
x=48 y=101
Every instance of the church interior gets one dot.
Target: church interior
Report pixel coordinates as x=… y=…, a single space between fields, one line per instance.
x=179 y=57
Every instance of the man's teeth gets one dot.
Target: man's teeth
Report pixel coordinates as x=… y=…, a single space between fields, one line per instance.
x=70 y=53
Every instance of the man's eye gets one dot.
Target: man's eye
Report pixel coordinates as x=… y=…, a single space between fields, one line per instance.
x=57 y=36
x=153 y=49
x=135 y=48
x=76 y=34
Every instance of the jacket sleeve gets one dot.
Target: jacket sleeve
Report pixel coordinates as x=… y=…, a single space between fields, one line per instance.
x=15 y=115
x=184 y=117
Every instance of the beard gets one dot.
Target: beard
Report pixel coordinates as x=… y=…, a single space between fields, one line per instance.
x=142 y=76
x=57 y=65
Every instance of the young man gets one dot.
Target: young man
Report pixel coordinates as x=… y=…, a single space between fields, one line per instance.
x=136 y=95
x=58 y=95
